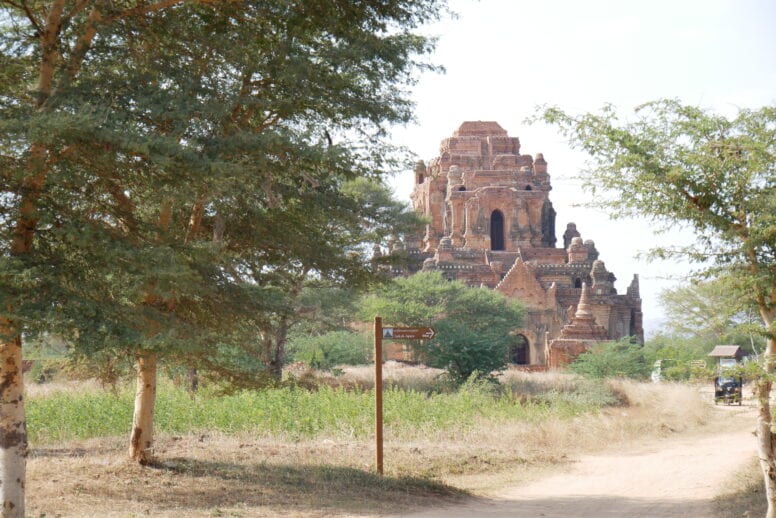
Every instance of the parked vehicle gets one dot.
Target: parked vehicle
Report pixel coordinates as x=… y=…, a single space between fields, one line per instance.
x=728 y=389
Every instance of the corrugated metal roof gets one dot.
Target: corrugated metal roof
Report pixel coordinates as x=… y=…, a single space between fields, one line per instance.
x=725 y=351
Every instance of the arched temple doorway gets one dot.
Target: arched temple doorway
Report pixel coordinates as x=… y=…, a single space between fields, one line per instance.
x=518 y=352
x=497 y=230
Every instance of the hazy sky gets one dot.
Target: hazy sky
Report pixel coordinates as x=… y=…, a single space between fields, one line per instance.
x=505 y=57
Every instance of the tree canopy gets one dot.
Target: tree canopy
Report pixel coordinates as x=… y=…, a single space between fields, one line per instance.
x=168 y=147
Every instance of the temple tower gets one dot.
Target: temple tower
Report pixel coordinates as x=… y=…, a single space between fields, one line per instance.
x=491 y=223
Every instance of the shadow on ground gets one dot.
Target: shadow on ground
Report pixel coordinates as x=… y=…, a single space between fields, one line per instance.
x=319 y=487
x=182 y=486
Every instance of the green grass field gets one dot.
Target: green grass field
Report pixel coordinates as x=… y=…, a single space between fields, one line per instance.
x=297 y=413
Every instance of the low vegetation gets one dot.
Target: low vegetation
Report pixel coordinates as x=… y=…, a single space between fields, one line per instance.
x=293 y=412
x=745 y=495
x=308 y=451
x=613 y=359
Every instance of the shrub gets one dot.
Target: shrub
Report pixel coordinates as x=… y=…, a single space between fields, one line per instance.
x=687 y=372
x=472 y=325
x=465 y=352
x=613 y=359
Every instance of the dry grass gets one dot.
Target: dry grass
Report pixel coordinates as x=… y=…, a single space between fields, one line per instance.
x=652 y=411
x=745 y=497
x=408 y=377
x=535 y=383
x=60 y=385
x=243 y=475
x=219 y=476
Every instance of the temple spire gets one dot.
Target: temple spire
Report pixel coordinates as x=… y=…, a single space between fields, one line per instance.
x=583 y=308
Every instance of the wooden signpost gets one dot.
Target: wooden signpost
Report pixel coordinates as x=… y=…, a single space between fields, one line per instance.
x=395 y=333
x=409 y=333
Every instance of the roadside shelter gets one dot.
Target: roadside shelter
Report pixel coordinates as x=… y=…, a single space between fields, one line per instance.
x=727 y=355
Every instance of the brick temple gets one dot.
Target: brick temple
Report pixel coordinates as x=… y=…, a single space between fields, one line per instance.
x=492 y=224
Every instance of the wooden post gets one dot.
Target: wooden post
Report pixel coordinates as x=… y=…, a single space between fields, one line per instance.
x=379 y=394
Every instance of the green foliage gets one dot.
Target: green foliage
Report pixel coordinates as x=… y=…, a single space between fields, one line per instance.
x=714 y=311
x=464 y=352
x=418 y=300
x=295 y=413
x=326 y=306
x=172 y=175
x=613 y=359
x=686 y=372
x=330 y=349
x=679 y=355
x=472 y=325
x=677 y=348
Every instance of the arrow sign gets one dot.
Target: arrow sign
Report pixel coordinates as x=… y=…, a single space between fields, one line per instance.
x=409 y=333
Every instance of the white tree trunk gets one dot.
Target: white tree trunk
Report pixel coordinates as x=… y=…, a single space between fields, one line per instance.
x=765 y=448
x=765 y=426
x=13 y=429
x=142 y=438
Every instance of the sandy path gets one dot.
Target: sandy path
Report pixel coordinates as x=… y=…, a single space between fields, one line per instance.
x=668 y=478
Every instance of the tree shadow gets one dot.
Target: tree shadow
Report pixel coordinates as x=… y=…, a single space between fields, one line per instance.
x=182 y=484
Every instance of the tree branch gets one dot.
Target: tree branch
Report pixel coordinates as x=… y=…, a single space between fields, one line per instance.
x=49 y=52
x=195 y=220
x=83 y=43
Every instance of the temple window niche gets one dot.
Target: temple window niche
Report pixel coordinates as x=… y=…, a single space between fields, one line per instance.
x=518 y=352
x=497 y=230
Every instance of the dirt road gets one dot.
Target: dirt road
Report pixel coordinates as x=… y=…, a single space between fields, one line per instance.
x=658 y=478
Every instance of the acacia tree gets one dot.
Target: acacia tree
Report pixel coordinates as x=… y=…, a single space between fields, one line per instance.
x=682 y=165
x=145 y=171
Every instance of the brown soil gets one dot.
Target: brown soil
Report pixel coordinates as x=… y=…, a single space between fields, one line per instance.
x=670 y=477
x=216 y=475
